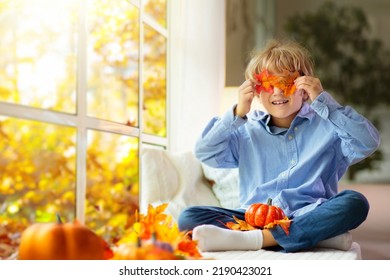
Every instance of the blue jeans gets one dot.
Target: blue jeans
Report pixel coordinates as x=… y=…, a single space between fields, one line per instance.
x=341 y=213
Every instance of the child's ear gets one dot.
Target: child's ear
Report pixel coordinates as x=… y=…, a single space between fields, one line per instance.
x=304 y=94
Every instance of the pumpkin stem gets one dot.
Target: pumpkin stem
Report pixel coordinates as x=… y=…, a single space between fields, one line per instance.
x=154 y=237
x=59 y=221
x=269 y=201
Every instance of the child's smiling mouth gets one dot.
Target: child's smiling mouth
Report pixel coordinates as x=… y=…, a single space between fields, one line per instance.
x=279 y=102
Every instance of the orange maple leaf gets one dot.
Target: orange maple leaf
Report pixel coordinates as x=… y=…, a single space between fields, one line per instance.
x=267 y=82
x=153 y=219
x=284 y=224
x=243 y=225
x=158 y=228
x=108 y=252
x=239 y=225
x=189 y=248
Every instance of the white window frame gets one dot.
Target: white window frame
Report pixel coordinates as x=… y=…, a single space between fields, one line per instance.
x=81 y=121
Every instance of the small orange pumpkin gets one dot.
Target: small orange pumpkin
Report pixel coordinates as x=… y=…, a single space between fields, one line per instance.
x=60 y=241
x=261 y=215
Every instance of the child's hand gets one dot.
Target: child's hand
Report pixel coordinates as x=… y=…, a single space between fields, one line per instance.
x=311 y=86
x=246 y=93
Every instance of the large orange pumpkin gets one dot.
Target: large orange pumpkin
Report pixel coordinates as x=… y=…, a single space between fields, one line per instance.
x=261 y=215
x=60 y=241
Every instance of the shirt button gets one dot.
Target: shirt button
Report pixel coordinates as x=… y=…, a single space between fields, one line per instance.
x=295 y=128
x=293 y=162
x=290 y=137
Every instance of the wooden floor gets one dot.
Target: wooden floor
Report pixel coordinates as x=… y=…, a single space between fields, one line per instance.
x=374 y=234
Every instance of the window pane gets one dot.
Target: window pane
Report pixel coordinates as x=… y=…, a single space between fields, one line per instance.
x=37 y=46
x=37 y=167
x=112 y=183
x=113 y=61
x=154 y=115
x=157 y=9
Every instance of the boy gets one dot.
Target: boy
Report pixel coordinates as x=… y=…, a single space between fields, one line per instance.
x=295 y=153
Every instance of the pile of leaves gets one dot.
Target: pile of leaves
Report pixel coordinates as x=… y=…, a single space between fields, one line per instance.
x=153 y=235
x=157 y=228
x=10 y=232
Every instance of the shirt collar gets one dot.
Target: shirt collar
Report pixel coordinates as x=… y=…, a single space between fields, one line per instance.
x=305 y=112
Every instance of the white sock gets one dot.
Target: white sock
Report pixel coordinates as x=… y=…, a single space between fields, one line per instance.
x=340 y=242
x=213 y=238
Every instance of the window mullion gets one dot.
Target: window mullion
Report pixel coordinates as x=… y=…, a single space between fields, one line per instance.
x=141 y=92
x=155 y=25
x=81 y=158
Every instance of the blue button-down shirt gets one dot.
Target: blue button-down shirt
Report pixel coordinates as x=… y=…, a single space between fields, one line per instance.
x=298 y=167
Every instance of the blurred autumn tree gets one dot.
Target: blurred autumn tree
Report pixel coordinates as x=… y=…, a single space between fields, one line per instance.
x=38 y=68
x=350 y=63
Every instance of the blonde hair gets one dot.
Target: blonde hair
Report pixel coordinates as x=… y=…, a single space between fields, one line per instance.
x=279 y=56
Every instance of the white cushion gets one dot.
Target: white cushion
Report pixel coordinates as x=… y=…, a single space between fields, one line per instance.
x=158 y=172
x=226 y=185
x=176 y=179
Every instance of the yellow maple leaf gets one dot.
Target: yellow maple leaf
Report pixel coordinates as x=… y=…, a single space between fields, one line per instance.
x=239 y=225
x=284 y=224
x=155 y=226
x=243 y=225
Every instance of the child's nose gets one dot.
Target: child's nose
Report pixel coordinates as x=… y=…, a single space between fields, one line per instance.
x=277 y=91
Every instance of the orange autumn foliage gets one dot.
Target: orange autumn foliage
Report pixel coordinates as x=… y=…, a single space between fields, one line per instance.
x=151 y=251
x=267 y=82
x=190 y=248
x=239 y=225
x=155 y=233
x=263 y=216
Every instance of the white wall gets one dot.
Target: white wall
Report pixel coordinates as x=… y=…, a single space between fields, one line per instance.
x=197 y=73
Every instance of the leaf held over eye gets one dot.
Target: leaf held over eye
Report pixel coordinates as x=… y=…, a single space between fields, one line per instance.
x=267 y=82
